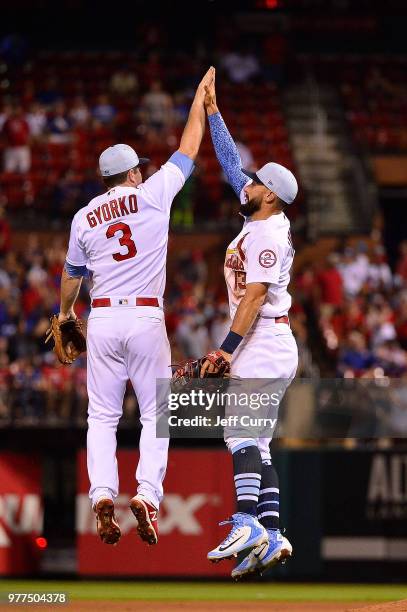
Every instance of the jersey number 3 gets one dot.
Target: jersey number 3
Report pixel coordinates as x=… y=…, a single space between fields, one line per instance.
x=125 y=240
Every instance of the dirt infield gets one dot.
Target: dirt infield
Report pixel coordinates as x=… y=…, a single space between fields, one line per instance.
x=391 y=606
x=205 y=606
x=270 y=606
x=210 y=606
x=196 y=606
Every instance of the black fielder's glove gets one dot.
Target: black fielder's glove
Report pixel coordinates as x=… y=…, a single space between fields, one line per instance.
x=192 y=368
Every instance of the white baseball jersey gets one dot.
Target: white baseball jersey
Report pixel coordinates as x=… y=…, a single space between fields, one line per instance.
x=261 y=253
x=122 y=236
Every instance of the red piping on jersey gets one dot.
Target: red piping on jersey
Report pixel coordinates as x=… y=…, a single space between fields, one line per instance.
x=239 y=247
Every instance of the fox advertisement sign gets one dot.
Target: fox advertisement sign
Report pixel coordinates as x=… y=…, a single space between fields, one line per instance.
x=21 y=514
x=199 y=494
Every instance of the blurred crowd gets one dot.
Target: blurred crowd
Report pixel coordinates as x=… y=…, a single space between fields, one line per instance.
x=58 y=111
x=44 y=131
x=33 y=385
x=351 y=301
x=46 y=116
x=360 y=306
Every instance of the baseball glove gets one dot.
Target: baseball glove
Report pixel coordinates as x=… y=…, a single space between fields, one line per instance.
x=191 y=369
x=69 y=338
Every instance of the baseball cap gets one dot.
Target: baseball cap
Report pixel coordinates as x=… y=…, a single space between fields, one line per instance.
x=119 y=158
x=278 y=179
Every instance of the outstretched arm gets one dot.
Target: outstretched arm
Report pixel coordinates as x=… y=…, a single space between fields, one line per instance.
x=223 y=143
x=163 y=186
x=195 y=127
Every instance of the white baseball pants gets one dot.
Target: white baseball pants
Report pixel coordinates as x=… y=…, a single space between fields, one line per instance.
x=268 y=351
x=125 y=343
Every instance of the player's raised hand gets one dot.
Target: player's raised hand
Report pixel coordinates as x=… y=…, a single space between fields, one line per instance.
x=207 y=80
x=210 y=97
x=195 y=127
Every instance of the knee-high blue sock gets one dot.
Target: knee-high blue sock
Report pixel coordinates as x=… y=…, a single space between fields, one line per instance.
x=247 y=471
x=268 y=507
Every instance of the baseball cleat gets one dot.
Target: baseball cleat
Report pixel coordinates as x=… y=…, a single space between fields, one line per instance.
x=261 y=558
x=246 y=533
x=146 y=515
x=106 y=524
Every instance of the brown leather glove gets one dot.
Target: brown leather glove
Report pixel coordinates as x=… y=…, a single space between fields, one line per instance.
x=192 y=369
x=69 y=338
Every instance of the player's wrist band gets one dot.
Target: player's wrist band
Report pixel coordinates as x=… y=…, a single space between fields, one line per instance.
x=231 y=342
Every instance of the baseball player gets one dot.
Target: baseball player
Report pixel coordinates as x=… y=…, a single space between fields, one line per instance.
x=121 y=238
x=260 y=343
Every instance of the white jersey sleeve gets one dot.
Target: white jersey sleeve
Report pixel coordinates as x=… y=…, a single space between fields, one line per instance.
x=76 y=255
x=264 y=258
x=162 y=186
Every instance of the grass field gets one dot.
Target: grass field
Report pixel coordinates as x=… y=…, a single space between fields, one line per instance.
x=210 y=591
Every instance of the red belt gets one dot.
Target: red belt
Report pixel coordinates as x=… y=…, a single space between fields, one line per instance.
x=140 y=301
x=283 y=319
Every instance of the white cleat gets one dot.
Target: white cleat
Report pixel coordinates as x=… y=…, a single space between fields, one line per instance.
x=246 y=533
x=277 y=550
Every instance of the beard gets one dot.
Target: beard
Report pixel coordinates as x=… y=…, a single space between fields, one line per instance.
x=250 y=207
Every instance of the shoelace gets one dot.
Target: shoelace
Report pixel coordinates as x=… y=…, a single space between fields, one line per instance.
x=231 y=521
x=227 y=522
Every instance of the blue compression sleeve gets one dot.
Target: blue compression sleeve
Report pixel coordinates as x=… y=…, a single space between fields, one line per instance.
x=183 y=162
x=75 y=271
x=227 y=153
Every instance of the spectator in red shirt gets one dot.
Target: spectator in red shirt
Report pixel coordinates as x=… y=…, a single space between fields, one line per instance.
x=330 y=284
x=16 y=134
x=5 y=233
